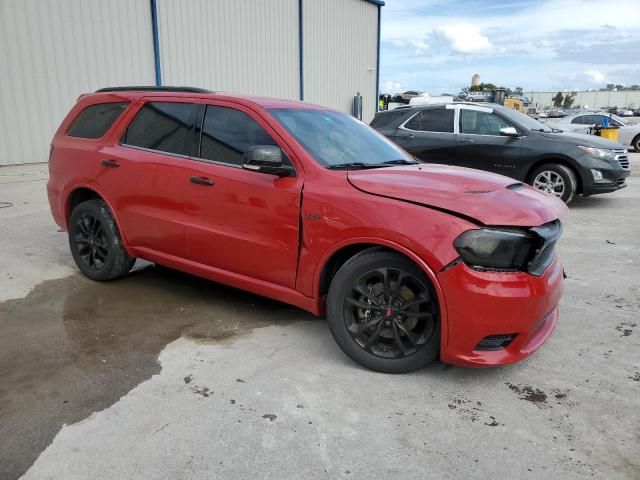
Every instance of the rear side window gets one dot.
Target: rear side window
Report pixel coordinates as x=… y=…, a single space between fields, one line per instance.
x=381 y=120
x=437 y=120
x=228 y=133
x=163 y=126
x=414 y=123
x=95 y=120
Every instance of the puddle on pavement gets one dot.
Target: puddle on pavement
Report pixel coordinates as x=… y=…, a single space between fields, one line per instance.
x=72 y=346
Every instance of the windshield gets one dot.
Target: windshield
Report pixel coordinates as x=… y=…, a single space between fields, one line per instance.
x=523 y=120
x=337 y=139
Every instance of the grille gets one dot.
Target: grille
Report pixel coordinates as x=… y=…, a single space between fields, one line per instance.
x=623 y=158
x=549 y=234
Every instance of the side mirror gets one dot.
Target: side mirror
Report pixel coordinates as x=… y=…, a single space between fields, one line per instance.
x=266 y=159
x=509 y=132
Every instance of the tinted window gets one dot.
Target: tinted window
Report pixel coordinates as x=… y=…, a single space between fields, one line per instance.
x=228 y=133
x=414 y=123
x=383 y=119
x=437 y=120
x=480 y=123
x=95 y=120
x=578 y=120
x=163 y=126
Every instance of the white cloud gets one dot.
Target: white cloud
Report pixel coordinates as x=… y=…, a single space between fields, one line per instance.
x=391 y=86
x=465 y=38
x=419 y=46
x=596 y=77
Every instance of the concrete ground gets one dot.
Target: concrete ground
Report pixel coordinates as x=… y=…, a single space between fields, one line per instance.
x=162 y=375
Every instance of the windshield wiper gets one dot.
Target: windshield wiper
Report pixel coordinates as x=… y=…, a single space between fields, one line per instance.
x=353 y=165
x=401 y=161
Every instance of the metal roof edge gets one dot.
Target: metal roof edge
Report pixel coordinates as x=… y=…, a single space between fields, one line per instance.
x=379 y=3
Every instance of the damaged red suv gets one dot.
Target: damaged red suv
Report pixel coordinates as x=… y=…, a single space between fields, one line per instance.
x=408 y=261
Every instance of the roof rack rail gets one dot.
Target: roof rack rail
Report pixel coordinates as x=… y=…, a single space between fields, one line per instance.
x=147 y=88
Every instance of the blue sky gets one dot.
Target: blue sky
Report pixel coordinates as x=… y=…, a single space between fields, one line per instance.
x=437 y=45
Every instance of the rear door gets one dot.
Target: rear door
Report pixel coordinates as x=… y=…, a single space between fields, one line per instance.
x=238 y=220
x=429 y=135
x=142 y=174
x=482 y=145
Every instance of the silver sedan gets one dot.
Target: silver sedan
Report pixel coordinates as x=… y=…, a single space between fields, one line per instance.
x=629 y=134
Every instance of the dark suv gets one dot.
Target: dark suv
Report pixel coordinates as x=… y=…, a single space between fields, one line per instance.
x=502 y=140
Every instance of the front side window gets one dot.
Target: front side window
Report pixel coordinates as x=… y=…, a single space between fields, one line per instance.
x=163 y=126
x=227 y=133
x=476 y=122
x=95 y=120
x=334 y=138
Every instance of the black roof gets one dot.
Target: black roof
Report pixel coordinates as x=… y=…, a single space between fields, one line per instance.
x=148 y=88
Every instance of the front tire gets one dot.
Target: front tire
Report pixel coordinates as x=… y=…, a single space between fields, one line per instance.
x=383 y=312
x=95 y=242
x=636 y=144
x=555 y=179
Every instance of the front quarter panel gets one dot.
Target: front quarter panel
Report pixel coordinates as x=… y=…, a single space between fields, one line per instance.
x=335 y=215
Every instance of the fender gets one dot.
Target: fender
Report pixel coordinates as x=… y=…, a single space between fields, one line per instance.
x=393 y=246
x=66 y=198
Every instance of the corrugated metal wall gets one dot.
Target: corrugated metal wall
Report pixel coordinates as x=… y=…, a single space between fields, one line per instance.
x=248 y=46
x=625 y=98
x=340 y=53
x=51 y=51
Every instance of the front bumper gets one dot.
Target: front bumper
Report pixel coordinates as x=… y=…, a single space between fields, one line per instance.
x=613 y=180
x=483 y=304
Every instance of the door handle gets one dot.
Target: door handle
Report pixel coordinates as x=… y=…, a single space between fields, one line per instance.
x=202 y=181
x=468 y=140
x=110 y=163
x=411 y=135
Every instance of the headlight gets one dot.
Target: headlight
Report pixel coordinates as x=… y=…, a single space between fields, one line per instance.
x=493 y=248
x=599 y=152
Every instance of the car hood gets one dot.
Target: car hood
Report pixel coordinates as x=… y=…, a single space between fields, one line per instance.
x=580 y=138
x=485 y=197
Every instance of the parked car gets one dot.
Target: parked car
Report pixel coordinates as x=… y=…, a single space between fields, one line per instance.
x=556 y=114
x=628 y=135
x=405 y=97
x=624 y=112
x=311 y=207
x=502 y=140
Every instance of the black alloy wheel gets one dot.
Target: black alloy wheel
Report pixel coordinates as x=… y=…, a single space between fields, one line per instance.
x=384 y=313
x=95 y=242
x=91 y=241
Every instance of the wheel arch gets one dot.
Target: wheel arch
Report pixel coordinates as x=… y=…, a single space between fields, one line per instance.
x=635 y=140
x=560 y=161
x=81 y=193
x=333 y=259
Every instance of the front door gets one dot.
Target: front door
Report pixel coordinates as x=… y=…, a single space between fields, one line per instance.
x=482 y=145
x=238 y=220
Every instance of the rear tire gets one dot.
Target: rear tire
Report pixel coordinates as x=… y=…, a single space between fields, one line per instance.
x=555 y=179
x=95 y=242
x=383 y=312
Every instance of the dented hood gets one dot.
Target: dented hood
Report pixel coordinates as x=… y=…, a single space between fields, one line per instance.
x=487 y=198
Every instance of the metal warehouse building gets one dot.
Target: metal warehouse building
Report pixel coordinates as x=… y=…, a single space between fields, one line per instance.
x=320 y=51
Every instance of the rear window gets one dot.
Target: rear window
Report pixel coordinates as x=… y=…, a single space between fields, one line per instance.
x=163 y=126
x=381 y=120
x=95 y=120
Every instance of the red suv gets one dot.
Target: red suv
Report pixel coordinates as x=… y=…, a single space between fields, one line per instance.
x=311 y=207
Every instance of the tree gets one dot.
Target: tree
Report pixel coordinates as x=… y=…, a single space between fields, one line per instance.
x=518 y=91
x=483 y=87
x=568 y=99
x=610 y=86
x=464 y=93
x=557 y=99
